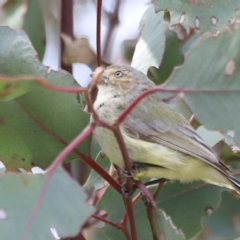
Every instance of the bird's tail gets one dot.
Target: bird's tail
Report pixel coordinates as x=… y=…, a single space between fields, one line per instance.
x=236 y=183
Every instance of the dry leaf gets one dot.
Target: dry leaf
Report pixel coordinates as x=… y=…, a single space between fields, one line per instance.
x=77 y=51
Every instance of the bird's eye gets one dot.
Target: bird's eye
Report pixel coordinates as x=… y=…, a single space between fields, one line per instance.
x=118 y=74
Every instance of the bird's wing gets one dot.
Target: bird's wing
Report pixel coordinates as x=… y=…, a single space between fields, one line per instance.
x=161 y=129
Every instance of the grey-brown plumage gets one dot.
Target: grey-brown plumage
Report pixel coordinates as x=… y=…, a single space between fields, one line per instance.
x=156 y=136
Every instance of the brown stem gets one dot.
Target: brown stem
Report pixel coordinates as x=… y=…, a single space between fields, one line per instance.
x=116 y=225
x=150 y=208
x=66 y=26
x=150 y=215
x=130 y=107
x=115 y=129
x=145 y=191
x=94 y=90
x=119 y=174
x=113 y=22
x=98 y=42
x=157 y=191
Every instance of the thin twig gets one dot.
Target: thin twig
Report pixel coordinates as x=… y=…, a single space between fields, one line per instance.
x=98 y=40
x=94 y=90
x=119 y=174
x=145 y=192
x=150 y=207
x=130 y=107
x=82 y=237
x=129 y=184
x=115 y=129
x=157 y=191
x=150 y=215
x=125 y=217
x=116 y=225
x=113 y=22
x=59 y=159
x=66 y=27
x=74 y=90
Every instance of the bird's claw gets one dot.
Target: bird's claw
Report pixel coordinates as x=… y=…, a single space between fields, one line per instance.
x=126 y=193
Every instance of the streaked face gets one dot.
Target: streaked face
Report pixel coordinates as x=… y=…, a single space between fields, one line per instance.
x=119 y=78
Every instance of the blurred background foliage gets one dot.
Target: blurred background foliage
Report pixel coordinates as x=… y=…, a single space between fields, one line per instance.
x=190 y=45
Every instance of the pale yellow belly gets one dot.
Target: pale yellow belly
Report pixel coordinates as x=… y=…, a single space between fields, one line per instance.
x=173 y=165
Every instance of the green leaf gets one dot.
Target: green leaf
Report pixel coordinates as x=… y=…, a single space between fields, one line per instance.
x=206 y=15
x=169 y=230
x=38 y=125
x=111 y=202
x=34 y=27
x=63 y=207
x=210 y=137
x=209 y=66
x=180 y=106
x=172 y=57
x=151 y=44
x=224 y=221
x=12 y=87
x=95 y=180
x=186 y=204
x=163 y=224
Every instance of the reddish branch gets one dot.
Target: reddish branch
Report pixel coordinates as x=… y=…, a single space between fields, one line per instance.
x=66 y=27
x=176 y=90
x=116 y=225
x=116 y=130
x=127 y=110
x=59 y=160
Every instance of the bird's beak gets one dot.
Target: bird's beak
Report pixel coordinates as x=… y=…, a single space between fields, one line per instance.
x=101 y=80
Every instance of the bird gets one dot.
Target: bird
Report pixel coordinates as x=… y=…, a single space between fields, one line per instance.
x=161 y=143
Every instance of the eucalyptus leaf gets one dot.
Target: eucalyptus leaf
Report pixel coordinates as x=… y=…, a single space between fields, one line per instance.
x=57 y=211
x=206 y=15
x=39 y=124
x=224 y=222
x=211 y=74
x=151 y=44
x=35 y=28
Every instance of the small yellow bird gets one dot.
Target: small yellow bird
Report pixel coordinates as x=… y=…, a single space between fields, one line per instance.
x=160 y=141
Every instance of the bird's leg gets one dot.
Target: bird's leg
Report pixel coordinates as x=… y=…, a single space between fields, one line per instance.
x=126 y=193
x=136 y=169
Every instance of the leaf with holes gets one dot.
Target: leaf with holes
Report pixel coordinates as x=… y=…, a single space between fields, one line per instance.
x=57 y=211
x=37 y=126
x=212 y=71
x=186 y=204
x=151 y=44
x=115 y=214
x=225 y=220
x=206 y=15
x=172 y=57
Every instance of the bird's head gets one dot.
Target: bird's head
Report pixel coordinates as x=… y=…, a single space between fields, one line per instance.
x=122 y=79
